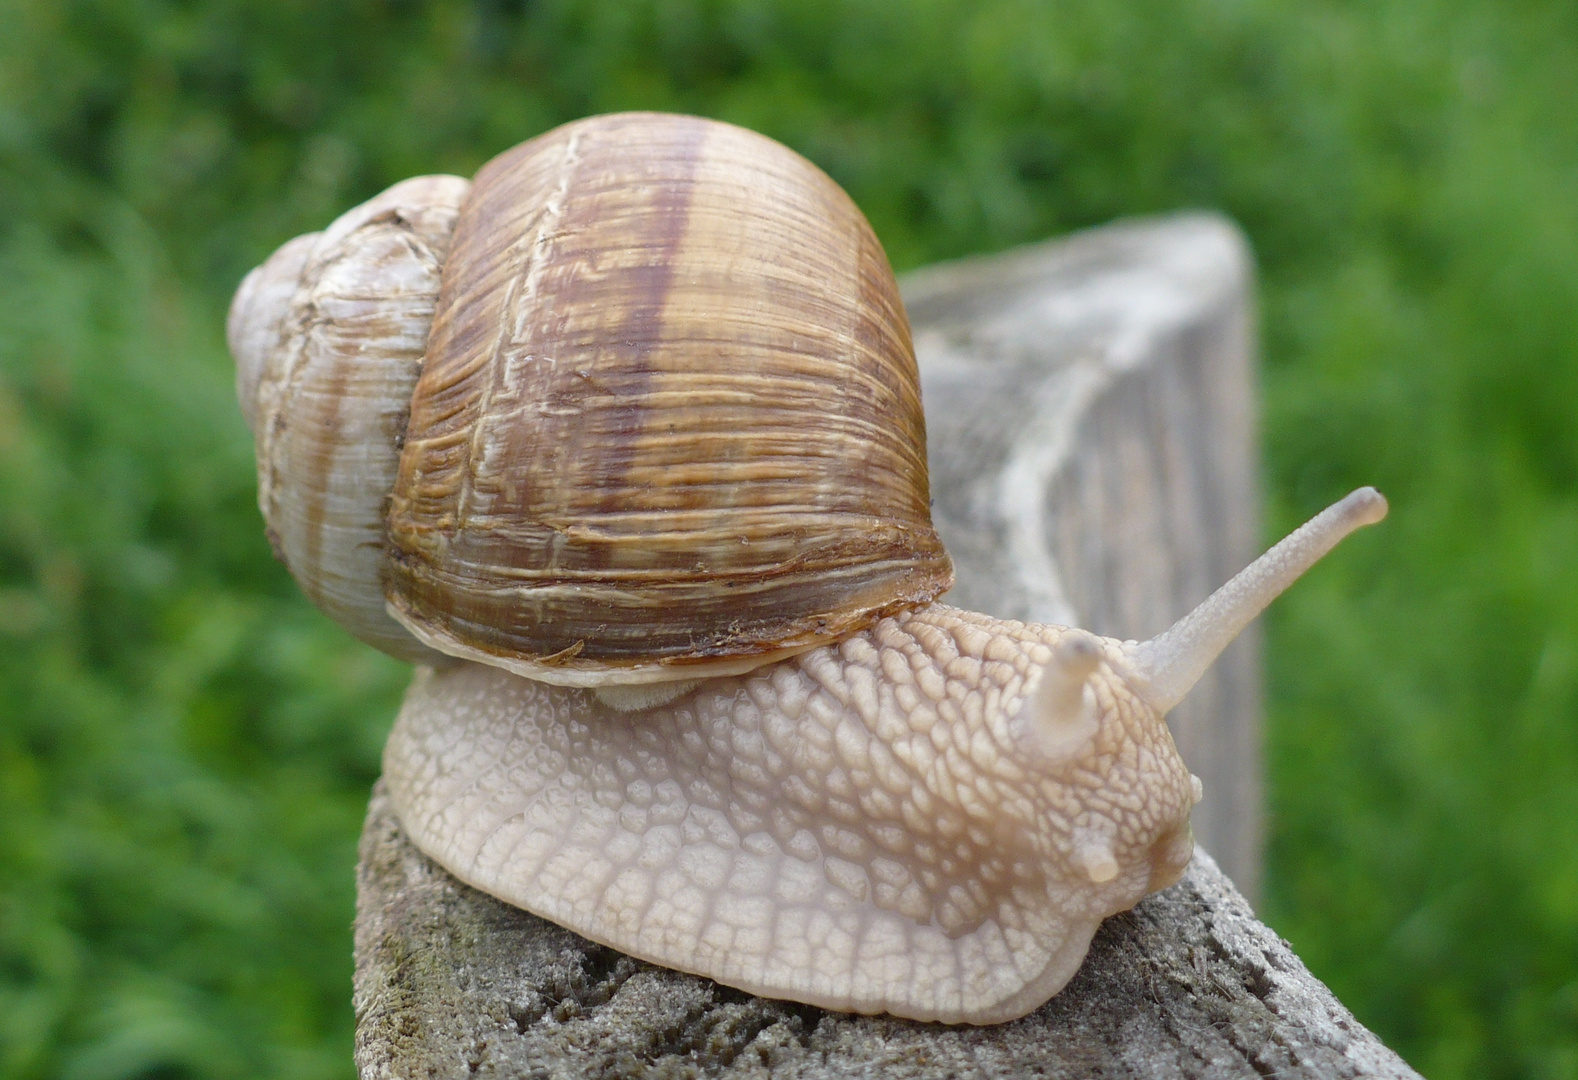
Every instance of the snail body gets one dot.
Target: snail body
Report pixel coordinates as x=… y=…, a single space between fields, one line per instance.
x=632 y=422
x=880 y=825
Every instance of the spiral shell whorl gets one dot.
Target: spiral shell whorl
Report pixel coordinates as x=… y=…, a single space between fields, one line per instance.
x=326 y=379
x=670 y=424
x=256 y=324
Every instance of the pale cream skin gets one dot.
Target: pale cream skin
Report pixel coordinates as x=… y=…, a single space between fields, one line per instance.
x=929 y=819
x=877 y=826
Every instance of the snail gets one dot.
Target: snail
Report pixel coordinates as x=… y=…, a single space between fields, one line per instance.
x=621 y=444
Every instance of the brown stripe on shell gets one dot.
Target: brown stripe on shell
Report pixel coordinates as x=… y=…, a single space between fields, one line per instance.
x=333 y=394
x=670 y=413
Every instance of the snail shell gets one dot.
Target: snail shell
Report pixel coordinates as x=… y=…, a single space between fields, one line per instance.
x=667 y=422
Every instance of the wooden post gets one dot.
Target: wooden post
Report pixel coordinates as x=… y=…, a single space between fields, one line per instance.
x=1090 y=411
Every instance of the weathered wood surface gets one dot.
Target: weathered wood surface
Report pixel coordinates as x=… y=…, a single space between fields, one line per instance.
x=1090 y=407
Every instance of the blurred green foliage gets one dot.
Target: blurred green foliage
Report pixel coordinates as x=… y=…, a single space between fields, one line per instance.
x=185 y=747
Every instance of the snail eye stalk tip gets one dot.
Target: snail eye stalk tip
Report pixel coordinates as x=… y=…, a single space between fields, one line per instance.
x=1168 y=665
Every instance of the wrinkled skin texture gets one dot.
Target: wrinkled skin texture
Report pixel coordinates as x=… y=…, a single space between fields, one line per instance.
x=892 y=824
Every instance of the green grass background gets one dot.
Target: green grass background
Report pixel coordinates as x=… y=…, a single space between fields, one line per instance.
x=186 y=748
